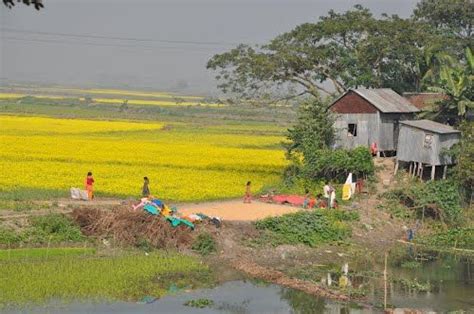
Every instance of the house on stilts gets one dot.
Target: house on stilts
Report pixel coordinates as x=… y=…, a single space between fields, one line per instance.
x=423 y=144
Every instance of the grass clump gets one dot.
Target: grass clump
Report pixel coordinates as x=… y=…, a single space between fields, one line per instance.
x=126 y=277
x=9 y=236
x=205 y=244
x=54 y=228
x=199 y=303
x=308 y=227
x=411 y=264
x=51 y=228
x=413 y=285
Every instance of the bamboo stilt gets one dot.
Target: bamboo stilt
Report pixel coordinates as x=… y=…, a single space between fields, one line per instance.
x=385 y=283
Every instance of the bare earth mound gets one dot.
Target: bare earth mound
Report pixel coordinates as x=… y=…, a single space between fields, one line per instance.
x=131 y=228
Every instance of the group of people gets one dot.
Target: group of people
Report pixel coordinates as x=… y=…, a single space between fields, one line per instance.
x=327 y=199
x=89 y=186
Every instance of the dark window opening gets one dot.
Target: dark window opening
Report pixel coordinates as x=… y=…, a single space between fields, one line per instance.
x=352 y=129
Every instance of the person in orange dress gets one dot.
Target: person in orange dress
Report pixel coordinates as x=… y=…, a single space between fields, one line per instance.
x=90 y=185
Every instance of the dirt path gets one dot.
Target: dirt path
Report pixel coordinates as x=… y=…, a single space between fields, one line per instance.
x=228 y=210
x=236 y=210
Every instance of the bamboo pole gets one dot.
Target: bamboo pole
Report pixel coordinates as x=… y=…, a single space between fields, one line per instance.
x=433 y=172
x=396 y=167
x=385 y=283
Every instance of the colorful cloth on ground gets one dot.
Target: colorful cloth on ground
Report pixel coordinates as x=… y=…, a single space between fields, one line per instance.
x=152 y=209
x=165 y=211
x=158 y=203
x=296 y=200
x=175 y=221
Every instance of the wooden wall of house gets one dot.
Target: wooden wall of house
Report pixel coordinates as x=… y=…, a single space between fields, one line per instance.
x=352 y=108
x=389 y=129
x=353 y=103
x=367 y=129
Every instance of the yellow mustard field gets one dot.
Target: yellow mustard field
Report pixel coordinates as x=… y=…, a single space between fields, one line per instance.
x=44 y=157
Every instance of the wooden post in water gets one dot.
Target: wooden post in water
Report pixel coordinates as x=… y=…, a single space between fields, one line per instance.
x=385 y=283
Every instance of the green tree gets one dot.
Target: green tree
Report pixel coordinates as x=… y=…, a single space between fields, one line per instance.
x=454 y=17
x=346 y=50
x=464 y=152
x=454 y=79
x=313 y=128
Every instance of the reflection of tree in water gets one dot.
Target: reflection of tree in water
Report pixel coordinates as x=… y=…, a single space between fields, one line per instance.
x=302 y=303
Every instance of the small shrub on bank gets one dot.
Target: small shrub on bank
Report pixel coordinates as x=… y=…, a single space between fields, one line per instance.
x=438 y=199
x=204 y=244
x=199 y=303
x=9 y=237
x=308 y=227
x=54 y=228
x=453 y=238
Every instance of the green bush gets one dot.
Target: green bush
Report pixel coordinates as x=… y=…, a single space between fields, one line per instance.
x=308 y=227
x=442 y=195
x=8 y=236
x=54 y=228
x=330 y=164
x=43 y=229
x=453 y=238
x=204 y=244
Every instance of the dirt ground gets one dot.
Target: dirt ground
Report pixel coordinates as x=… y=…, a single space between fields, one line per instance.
x=236 y=210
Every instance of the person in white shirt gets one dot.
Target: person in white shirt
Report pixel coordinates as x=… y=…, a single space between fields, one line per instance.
x=327 y=190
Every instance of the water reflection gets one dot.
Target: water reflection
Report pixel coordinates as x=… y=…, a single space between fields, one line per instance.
x=451 y=280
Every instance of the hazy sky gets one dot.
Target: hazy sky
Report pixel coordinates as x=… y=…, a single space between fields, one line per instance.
x=158 y=44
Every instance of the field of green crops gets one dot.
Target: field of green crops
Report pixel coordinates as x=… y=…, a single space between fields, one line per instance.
x=70 y=274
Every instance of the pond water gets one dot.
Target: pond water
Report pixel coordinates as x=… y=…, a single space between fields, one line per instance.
x=450 y=280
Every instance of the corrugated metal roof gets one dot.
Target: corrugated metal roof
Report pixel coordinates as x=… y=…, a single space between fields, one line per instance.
x=386 y=100
x=430 y=126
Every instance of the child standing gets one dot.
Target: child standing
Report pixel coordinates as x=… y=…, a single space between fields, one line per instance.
x=248 y=193
x=146 y=188
x=90 y=186
x=307 y=199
